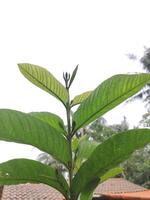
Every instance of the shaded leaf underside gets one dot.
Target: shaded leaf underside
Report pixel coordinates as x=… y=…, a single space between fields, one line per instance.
x=52 y=119
x=20 y=127
x=107 y=95
x=29 y=171
x=42 y=78
x=108 y=155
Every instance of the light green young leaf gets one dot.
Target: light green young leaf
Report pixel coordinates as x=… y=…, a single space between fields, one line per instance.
x=85 y=148
x=52 y=119
x=108 y=155
x=42 y=78
x=107 y=95
x=29 y=171
x=80 y=98
x=111 y=173
x=19 y=127
x=75 y=142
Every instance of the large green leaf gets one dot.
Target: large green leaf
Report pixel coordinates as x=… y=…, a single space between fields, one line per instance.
x=19 y=127
x=108 y=155
x=87 y=193
x=52 y=119
x=106 y=96
x=44 y=80
x=29 y=171
x=80 y=98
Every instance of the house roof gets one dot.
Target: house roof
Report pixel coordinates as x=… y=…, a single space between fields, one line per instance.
x=116 y=188
x=30 y=192
x=117 y=185
x=144 y=195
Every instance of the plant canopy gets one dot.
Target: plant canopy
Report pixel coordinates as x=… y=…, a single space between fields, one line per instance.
x=88 y=163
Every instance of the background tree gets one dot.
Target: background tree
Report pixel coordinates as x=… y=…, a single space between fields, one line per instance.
x=137 y=167
x=144 y=94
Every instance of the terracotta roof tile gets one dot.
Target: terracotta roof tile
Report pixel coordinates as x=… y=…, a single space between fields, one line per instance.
x=145 y=195
x=30 y=192
x=114 y=188
x=117 y=185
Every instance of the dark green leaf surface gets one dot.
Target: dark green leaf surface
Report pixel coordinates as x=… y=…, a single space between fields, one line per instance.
x=87 y=193
x=44 y=80
x=19 y=127
x=52 y=119
x=80 y=98
x=108 y=155
x=106 y=96
x=29 y=171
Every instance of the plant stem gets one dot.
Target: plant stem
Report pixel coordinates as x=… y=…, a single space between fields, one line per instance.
x=69 y=137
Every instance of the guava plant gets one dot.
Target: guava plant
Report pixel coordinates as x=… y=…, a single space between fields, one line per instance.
x=87 y=163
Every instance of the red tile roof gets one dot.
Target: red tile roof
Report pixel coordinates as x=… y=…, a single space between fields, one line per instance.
x=114 y=188
x=30 y=192
x=131 y=196
x=117 y=185
x=118 y=188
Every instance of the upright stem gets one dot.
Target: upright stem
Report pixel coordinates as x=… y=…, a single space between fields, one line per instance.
x=69 y=137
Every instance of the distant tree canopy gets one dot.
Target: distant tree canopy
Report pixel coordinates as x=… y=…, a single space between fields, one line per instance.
x=137 y=167
x=145 y=61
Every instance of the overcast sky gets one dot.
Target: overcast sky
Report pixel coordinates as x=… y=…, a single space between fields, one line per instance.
x=58 y=35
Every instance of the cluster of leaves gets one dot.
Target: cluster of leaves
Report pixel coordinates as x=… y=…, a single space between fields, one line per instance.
x=47 y=132
x=137 y=167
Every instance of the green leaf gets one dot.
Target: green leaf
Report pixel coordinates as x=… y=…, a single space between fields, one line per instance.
x=19 y=171
x=52 y=119
x=80 y=98
x=108 y=155
x=111 y=173
x=75 y=142
x=85 y=148
x=73 y=75
x=106 y=96
x=87 y=193
x=19 y=127
x=44 y=80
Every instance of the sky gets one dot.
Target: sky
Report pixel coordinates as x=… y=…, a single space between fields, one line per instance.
x=58 y=35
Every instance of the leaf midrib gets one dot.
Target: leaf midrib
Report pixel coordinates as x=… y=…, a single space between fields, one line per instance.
x=44 y=86
x=106 y=106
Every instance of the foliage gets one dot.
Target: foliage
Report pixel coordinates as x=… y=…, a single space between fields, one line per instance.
x=144 y=94
x=100 y=131
x=137 y=167
x=87 y=162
